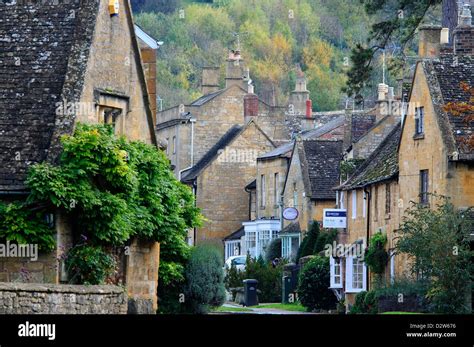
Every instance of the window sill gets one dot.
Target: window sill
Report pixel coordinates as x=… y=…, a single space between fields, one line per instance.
x=419 y=136
x=355 y=291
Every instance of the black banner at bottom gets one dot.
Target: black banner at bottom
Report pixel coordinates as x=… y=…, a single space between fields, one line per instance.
x=242 y=329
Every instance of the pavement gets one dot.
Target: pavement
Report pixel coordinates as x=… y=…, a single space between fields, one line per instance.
x=253 y=310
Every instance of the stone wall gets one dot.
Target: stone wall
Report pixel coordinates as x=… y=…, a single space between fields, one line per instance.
x=26 y=298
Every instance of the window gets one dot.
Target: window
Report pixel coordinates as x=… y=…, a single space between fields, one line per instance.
x=167 y=146
x=276 y=195
x=341 y=201
x=424 y=186
x=174 y=144
x=264 y=238
x=356 y=275
x=354 y=204
x=419 y=120
x=251 y=242
x=262 y=191
x=388 y=199
x=112 y=116
x=285 y=247
x=289 y=246
x=336 y=272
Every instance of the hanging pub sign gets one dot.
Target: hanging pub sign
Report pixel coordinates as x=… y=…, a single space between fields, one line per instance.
x=290 y=213
x=334 y=218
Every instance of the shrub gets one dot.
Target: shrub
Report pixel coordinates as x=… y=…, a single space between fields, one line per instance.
x=376 y=257
x=273 y=250
x=325 y=237
x=204 y=279
x=89 y=264
x=268 y=277
x=309 y=241
x=313 y=284
x=359 y=304
x=371 y=302
x=437 y=243
x=234 y=277
x=368 y=302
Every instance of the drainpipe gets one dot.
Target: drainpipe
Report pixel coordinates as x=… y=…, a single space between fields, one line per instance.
x=192 y=120
x=368 y=198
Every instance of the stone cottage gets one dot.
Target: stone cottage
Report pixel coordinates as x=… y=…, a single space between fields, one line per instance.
x=426 y=154
x=84 y=56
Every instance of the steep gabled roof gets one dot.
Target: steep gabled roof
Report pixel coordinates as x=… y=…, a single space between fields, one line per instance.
x=36 y=43
x=213 y=153
x=320 y=167
x=380 y=166
x=286 y=149
x=206 y=98
x=444 y=77
x=44 y=52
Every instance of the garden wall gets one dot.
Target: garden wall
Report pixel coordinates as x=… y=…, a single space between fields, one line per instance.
x=31 y=298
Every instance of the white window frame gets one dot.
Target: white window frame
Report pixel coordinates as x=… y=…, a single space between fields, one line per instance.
x=349 y=276
x=251 y=239
x=354 y=204
x=392 y=266
x=335 y=264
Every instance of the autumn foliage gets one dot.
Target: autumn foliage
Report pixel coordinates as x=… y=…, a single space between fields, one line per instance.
x=466 y=111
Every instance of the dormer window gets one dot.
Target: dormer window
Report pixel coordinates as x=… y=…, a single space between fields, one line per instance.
x=419 y=121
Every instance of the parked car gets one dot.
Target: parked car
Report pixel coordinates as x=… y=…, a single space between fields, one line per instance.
x=237 y=260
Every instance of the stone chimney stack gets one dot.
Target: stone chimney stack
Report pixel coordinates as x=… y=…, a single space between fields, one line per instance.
x=299 y=97
x=429 y=41
x=235 y=73
x=210 y=80
x=464 y=33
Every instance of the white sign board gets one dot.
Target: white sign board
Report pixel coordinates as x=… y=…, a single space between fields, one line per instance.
x=290 y=213
x=334 y=218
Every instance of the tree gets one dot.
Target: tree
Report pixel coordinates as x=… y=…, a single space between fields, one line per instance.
x=307 y=246
x=204 y=279
x=113 y=190
x=400 y=20
x=437 y=243
x=313 y=291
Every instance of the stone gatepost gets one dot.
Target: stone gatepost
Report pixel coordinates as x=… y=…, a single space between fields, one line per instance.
x=141 y=277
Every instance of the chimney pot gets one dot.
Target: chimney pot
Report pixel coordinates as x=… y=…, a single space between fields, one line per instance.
x=444 y=39
x=465 y=19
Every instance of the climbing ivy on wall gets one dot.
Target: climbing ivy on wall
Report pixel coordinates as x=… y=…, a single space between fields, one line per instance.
x=114 y=189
